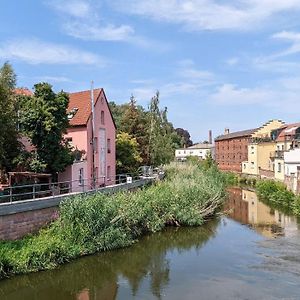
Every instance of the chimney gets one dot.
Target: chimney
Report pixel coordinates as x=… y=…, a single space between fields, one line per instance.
x=226 y=131
x=210 y=137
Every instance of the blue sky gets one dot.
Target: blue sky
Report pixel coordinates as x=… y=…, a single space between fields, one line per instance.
x=216 y=63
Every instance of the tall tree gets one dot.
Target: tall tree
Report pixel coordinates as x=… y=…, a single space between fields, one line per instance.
x=44 y=120
x=160 y=140
x=185 y=135
x=9 y=144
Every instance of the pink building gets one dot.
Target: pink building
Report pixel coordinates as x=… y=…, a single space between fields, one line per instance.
x=79 y=136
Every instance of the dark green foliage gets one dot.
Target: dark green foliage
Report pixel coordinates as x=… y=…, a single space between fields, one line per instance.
x=155 y=135
x=99 y=222
x=44 y=120
x=9 y=144
x=275 y=192
x=185 y=135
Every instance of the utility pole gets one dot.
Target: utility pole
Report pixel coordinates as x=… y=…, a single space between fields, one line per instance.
x=93 y=136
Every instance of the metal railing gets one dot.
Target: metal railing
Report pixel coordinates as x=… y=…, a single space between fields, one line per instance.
x=40 y=190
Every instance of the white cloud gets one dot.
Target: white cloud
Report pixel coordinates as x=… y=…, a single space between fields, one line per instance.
x=97 y=33
x=281 y=95
x=74 y=8
x=209 y=14
x=229 y=94
x=289 y=36
x=53 y=79
x=34 y=51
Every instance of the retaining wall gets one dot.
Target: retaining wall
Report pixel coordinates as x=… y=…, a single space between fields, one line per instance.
x=18 y=219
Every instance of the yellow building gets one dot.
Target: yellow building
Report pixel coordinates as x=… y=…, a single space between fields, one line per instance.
x=260 y=149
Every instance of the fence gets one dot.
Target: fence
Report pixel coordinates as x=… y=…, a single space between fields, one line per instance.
x=35 y=191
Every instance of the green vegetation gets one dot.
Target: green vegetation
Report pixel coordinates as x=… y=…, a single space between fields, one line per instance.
x=128 y=156
x=44 y=120
x=87 y=224
x=156 y=137
x=9 y=144
x=276 y=194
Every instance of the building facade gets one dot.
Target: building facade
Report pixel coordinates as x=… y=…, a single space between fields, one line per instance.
x=262 y=145
x=98 y=157
x=199 y=150
x=231 y=149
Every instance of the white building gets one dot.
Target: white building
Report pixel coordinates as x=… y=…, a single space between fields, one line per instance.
x=198 y=150
x=292 y=162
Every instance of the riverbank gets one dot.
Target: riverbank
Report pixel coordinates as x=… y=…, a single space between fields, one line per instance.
x=89 y=224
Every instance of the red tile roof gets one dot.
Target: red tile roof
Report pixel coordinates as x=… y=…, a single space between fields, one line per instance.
x=23 y=91
x=287 y=130
x=82 y=102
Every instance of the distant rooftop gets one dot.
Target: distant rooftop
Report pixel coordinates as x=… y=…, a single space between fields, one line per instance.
x=199 y=146
x=287 y=130
x=23 y=91
x=236 y=134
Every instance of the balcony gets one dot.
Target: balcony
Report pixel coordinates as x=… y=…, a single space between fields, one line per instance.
x=277 y=154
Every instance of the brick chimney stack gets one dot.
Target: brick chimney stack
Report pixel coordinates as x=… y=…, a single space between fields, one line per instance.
x=210 y=136
x=227 y=131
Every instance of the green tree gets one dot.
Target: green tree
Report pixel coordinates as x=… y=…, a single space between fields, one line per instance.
x=44 y=120
x=128 y=157
x=160 y=145
x=9 y=144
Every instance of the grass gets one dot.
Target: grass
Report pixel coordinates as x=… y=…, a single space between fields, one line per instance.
x=190 y=194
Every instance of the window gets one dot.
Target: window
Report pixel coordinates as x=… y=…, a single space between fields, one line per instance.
x=81 y=177
x=279 y=167
x=102 y=117
x=108 y=173
x=70 y=141
x=95 y=144
x=108 y=146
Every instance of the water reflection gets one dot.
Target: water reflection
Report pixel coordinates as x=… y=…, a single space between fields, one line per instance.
x=243 y=206
x=98 y=277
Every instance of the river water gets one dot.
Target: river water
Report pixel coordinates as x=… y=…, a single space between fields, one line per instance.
x=252 y=253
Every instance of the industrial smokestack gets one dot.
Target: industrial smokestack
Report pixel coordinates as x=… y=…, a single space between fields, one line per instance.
x=210 y=136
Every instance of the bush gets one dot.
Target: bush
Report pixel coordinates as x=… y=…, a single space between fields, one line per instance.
x=99 y=222
x=275 y=192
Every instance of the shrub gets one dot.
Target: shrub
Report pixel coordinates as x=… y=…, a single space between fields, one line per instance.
x=275 y=192
x=99 y=222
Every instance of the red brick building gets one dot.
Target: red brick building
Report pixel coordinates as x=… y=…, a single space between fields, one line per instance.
x=231 y=149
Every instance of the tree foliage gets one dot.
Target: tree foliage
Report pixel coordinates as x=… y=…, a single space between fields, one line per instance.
x=155 y=136
x=44 y=120
x=9 y=144
x=128 y=156
x=185 y=135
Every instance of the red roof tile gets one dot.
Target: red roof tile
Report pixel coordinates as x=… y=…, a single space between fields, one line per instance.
x=82 y=102
x=23 y=91
x=287 y=130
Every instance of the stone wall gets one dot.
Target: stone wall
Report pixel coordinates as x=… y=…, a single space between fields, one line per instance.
x=15 y=226
x=20 y=218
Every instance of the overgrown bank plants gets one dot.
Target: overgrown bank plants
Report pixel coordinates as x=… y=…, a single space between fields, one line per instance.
x=87 y=224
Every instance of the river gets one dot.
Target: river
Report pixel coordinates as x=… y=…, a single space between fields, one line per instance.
x=252 y=253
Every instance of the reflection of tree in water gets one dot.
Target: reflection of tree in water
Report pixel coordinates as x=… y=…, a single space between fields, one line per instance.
x=96 y=277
